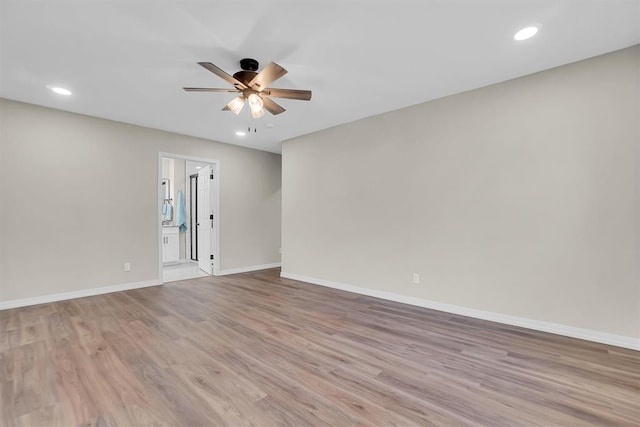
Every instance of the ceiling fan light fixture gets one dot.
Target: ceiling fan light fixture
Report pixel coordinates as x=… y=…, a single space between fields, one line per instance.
x=255 y=101
x=256 y=114
x=236 y=105
x=256 y=104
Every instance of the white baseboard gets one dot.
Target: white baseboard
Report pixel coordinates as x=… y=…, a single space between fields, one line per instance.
x=5 y=305
x=537 y=325
x=248 y=269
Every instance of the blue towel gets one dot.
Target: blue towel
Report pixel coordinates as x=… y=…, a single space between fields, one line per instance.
x=181 y=213
x=167 y=212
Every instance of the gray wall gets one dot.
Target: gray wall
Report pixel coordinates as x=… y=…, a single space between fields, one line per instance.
x=79 y=198
x=520 y=198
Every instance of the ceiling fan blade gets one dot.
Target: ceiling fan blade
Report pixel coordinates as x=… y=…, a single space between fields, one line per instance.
x=303 y=95
x=268 y=75
x=222 y=74
x=271 y=106
x=209 y=89
x=226 y=108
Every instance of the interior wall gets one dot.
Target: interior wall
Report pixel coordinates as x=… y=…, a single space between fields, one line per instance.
x=83 y=201
x=2 y=206
x=519 y=198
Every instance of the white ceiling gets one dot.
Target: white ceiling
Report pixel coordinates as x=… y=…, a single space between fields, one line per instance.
x=127 y=60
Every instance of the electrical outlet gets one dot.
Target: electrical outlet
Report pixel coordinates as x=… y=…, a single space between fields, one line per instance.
x=127 y=266
x=416 y=278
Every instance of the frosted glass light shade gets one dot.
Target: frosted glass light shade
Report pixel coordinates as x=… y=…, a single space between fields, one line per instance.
x=236 y=105
x=256 y=104
x=256 y=114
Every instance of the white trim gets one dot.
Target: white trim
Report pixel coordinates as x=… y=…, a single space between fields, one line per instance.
x=5 y=305
x=247 y=269
x=538 y=325
x=218 y=215
x=160 y=201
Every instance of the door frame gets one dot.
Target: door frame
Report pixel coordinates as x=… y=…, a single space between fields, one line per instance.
x=215 y=206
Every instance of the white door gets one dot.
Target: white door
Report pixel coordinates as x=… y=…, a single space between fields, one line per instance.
x=205 y=220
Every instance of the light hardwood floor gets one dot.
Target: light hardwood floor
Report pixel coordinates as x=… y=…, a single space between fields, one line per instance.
x=255 y=349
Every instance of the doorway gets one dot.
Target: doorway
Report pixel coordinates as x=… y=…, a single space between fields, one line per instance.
x=188 y=225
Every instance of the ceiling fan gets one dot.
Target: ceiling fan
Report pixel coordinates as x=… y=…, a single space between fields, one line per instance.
x=253 y=87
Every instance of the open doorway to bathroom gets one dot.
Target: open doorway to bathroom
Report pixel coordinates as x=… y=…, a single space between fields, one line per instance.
x=188 y=200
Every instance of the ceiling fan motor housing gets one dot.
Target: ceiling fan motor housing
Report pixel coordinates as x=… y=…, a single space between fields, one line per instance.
x=249 y=64
x=244 y=76
x=249 y=67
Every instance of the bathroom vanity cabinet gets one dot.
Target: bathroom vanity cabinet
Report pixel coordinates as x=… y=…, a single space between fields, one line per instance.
x=170 y=245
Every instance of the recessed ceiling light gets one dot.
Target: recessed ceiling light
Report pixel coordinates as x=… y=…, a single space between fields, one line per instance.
x=240 y=133
x=60 y=90
x=198 y=167
x=526 y=33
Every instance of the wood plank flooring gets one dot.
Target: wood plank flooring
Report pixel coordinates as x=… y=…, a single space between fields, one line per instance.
x=257 y=350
